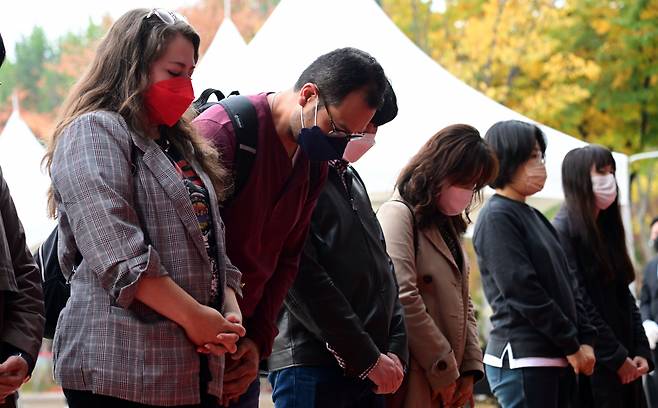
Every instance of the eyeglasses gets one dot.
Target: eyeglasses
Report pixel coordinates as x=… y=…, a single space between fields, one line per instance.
x=166 y=16
x=538 y=157
x=338 y=132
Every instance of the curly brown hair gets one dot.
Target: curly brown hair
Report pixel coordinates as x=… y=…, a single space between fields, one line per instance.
x=455 y=155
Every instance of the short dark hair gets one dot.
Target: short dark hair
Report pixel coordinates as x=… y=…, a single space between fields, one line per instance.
x=513 y=141
x=2 y=51
x=389 y=109
x=342 y=71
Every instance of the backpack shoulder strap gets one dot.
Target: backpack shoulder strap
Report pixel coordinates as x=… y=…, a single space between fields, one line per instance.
x=201 y=104
x=244 y=118
x=413 y=220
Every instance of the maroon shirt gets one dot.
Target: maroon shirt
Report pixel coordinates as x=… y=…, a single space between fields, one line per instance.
x=267 y=222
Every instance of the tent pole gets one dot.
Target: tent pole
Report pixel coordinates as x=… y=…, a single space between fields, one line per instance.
x=227 y=9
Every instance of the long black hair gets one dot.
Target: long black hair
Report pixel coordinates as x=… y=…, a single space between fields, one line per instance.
x=602 y=237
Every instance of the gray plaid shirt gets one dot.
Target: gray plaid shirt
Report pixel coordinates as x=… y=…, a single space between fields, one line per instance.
x=122 y=204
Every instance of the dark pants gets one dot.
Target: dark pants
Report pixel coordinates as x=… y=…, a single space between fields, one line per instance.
x=87 y=399
x=651 y=383
x=250 y=398
x=533 y=387
x=319 y=387
x=603 y=390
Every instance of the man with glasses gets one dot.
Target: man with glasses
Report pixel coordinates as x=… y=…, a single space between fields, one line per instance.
x=267 y=221
x=342 y=339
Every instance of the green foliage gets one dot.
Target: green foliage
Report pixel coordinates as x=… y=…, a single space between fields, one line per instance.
x=43 y=71
x=32 y=55
x=588 y=68
x=8 y=80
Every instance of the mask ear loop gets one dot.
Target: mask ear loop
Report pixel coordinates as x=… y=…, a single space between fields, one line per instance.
x=315 y=118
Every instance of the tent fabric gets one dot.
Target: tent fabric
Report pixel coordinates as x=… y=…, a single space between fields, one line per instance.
x=20 y=160
x=220 y=66
x=429 y=97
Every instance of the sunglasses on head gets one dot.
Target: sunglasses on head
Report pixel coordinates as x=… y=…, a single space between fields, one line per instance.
x=166 y=16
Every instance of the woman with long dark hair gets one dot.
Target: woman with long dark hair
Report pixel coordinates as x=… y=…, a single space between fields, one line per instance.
x=592 y=234
x=423 y=224
x=540 y=326
x=136 y=193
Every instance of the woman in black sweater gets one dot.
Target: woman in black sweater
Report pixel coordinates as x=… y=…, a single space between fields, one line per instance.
x=592 y=234
x=540 y=327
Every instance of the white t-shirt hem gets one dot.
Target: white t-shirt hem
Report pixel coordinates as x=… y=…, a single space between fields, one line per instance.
x=494 y=361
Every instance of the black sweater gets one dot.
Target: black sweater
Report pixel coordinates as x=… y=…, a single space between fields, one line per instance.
x=527 y=281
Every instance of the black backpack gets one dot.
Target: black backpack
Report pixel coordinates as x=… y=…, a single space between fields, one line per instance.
x=56 y=288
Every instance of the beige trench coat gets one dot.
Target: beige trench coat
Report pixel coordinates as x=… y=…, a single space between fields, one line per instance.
x=441 y=326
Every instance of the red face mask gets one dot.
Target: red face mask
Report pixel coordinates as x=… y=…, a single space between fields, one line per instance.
x=166 y=101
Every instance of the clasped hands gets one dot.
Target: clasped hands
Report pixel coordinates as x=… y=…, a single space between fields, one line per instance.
x=583 y=361
x=214 y=333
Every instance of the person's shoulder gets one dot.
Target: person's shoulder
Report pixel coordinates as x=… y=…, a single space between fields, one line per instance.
x=561 y=222
x=498 y=206
x=259 y=101
x=99 y=118
x=356 y=177
x=498 y=212
x=98 y=125
x=395 y=210
x=215 y=113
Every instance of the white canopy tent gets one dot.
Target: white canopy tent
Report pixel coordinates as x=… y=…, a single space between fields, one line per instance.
x=220 y=66
x=429 y=97
x=20 y=160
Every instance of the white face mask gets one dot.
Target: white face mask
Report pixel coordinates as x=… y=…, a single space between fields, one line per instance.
x=358 y=147
x=454 y=200
x=605 y=190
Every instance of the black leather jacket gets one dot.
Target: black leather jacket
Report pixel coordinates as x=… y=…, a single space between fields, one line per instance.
x=21 y=298
x=345 y=295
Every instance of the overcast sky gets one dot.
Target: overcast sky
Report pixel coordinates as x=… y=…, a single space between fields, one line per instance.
x=56 y=17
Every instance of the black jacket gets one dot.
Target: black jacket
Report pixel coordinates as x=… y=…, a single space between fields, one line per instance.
x=649 y=292
x=345 y=295
x=527 y=282
x=613 y=311
x=21 y=298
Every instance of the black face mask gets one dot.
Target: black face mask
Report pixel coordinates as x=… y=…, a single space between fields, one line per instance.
x=317 y=145
x=655 y=245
